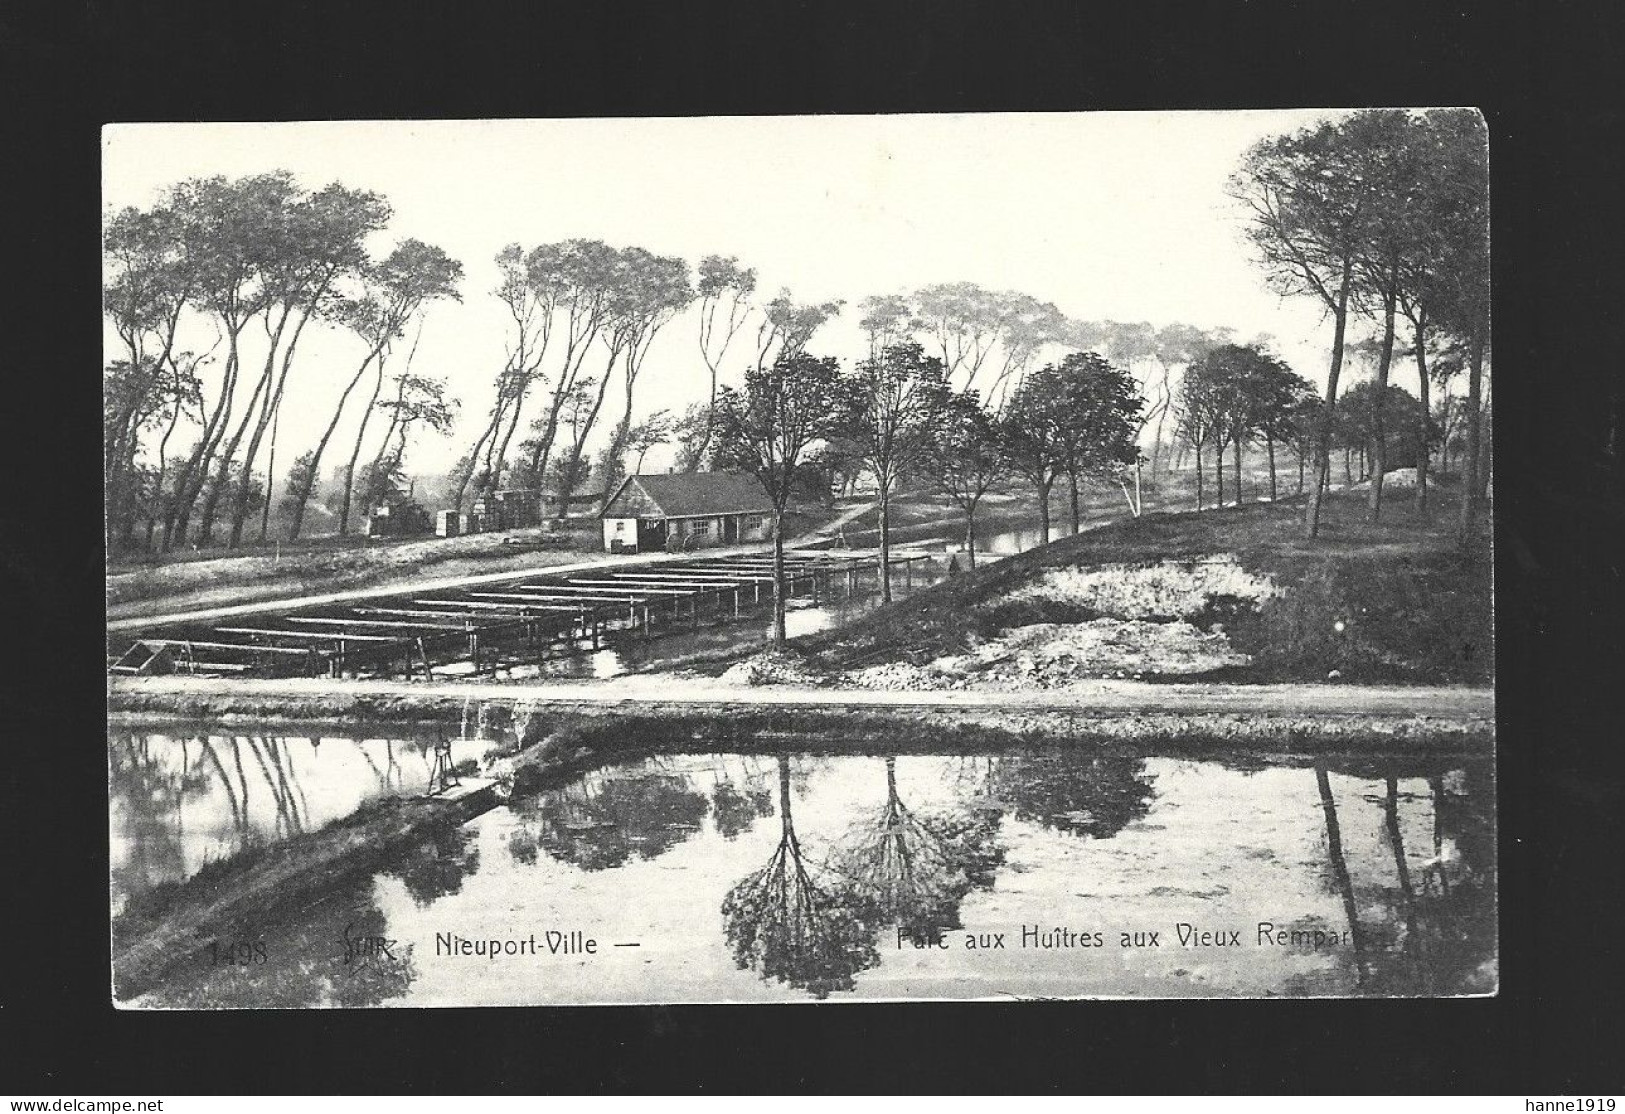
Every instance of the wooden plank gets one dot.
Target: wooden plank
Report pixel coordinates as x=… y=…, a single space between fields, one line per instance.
x=312 y=635
x=799 y=568
x=647 y=589
x=691 y=587
x=480 y=605
x=245 y=647
x=572 y=590
x=391 y=624
x=722 y=578
x=593 y=603
x=589 y=603
x=466 y=620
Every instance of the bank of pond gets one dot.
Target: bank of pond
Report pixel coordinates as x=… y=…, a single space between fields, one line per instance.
x=617 y=864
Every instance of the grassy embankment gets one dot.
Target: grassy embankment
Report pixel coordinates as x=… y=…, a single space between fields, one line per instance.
x=1396 y=602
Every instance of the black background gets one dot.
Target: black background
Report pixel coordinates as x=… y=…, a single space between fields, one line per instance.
x=1546 y=76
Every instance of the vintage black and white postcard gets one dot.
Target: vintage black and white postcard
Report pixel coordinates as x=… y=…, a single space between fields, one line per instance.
x=799 y=559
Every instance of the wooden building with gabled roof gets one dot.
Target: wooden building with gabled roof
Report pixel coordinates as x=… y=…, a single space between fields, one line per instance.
x=653 y=513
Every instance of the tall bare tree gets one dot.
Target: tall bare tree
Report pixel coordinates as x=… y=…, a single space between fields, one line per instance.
x=788 y=326
x=1310 y=199
x=394 y=292
x=655 y=289
x=320 y=241
x=220 y=222
x=724 y=289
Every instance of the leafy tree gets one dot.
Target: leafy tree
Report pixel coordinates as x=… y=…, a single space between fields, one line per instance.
x=1394 y=415
x=1032 y=430
x=768 y=427
x=1252 y=393
x=568 y=287
x=533 y=286
x=1393 y=165
x=150 y=280
x=1099 y=420
x=964 y=457
x=1026 y=327
x=889 y=412
x=964 y=323
x=1458 y=283
x=419 y=401
x=1199 y=407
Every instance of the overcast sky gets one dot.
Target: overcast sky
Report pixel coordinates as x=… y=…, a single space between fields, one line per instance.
x=1108 y=215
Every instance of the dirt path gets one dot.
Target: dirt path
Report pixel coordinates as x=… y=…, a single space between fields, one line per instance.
x=833 y=527
x=1103 y=697
x=357 y=595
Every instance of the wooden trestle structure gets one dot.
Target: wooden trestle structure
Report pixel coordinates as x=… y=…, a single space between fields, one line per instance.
x=493 y=625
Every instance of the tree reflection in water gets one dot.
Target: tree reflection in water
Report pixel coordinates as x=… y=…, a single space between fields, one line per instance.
x=153 y=795
x=787 y=926
x=1070 y=791
x=436 y=866
x=913 y=870
x=601 y=822
x=735 y=808
x=1434 y=933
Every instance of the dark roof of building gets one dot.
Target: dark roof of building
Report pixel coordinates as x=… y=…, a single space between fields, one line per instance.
x=696 y=493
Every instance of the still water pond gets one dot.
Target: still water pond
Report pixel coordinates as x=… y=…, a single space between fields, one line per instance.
x=739 y=878
x=178 y=803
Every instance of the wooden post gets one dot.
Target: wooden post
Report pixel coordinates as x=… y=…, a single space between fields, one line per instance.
x=428 y=673
x=736 y=601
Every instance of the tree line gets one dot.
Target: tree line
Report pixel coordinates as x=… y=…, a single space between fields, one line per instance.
x=215 y=256
x=253 y=261
x=898 y=415
x=1383 y=216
